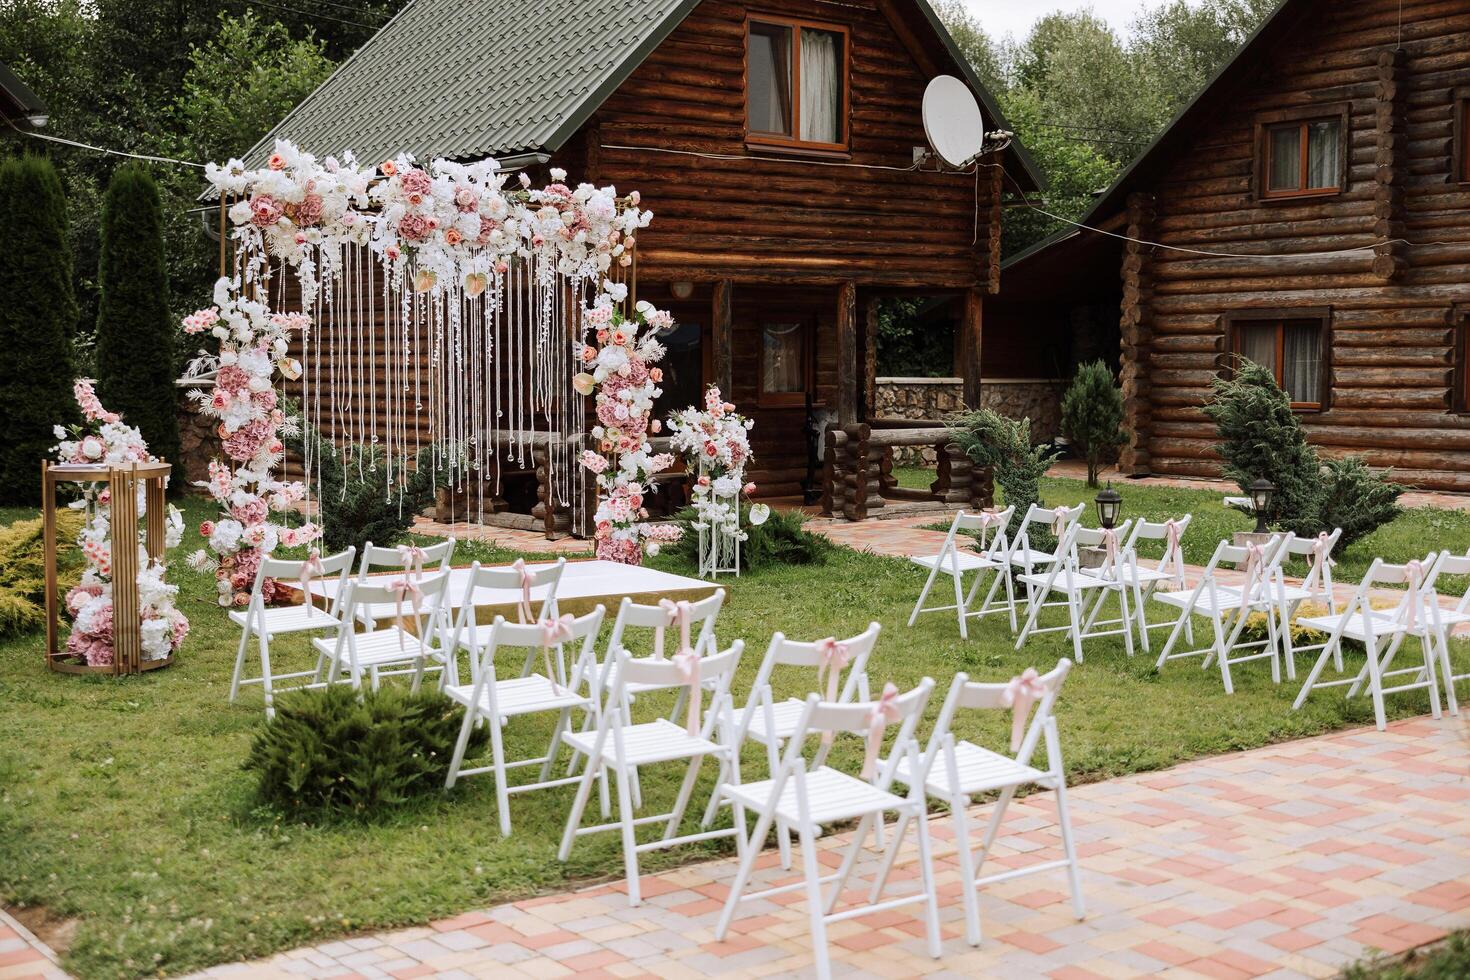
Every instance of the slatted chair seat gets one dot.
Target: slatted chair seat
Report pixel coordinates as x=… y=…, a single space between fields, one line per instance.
x=287 y=619
x=1222 y=598
x=659 y=740
x=1030 y=557
x=1080 y=580
x=834 y=796
x=377 y=648
x=521 y=696
x=967 y=561
x=980 y=771
x=1354 y=625
x=785 y=718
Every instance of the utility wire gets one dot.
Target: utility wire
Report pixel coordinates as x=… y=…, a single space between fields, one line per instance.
x=100 y=149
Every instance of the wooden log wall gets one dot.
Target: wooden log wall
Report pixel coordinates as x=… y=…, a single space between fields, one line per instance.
x=1393 y=311
x=1136 y=333
x=785 y=218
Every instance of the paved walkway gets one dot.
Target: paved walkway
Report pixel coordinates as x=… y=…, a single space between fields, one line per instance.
x=1291 y=860
x=22 y=955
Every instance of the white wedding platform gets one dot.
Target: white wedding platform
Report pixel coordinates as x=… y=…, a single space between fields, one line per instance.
x=583 y=585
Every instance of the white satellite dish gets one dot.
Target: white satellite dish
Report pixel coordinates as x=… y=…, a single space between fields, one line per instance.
x=952 y=121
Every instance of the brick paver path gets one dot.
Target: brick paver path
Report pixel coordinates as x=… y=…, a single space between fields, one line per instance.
x=22 y=955
x=1290 y=860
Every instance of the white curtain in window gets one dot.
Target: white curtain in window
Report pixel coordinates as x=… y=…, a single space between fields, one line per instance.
x=821 y=93
x=782 y=367
x=1301 y=354
x=1286 y=161
x=1257 y=342
x=1323 y=153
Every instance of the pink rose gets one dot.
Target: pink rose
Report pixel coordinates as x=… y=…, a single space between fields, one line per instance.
x=453 y=237
x=206 y=528
x=276 y=162
x=389 y=168
x=655 y=375
x=465 y=199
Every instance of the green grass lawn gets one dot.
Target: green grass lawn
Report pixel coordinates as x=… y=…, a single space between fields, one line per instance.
x=123 y=803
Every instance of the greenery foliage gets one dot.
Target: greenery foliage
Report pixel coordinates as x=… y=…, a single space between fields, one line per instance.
x=23 y=571
x=337 y=752
x=37 y=317
x=135 y=331
x=1092 y=416
x=779 y=542
x=1004 y=444
x=907 y=346
x=1260 y=436
x=1449 y=960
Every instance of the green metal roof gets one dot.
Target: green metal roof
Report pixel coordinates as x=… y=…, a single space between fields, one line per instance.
x=465 y=79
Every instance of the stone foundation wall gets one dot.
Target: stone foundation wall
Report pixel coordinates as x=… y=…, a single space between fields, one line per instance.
x=1038 y=399
x=198 y=444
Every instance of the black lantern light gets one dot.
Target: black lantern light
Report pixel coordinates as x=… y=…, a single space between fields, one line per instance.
x=1262 y=490
x=1109 y=502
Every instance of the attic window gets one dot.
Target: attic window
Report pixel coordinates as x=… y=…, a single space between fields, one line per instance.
x=796 y=84
x=1300 y=156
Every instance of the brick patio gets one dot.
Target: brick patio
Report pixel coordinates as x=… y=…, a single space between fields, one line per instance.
x=1290 y=860
x=22 y=955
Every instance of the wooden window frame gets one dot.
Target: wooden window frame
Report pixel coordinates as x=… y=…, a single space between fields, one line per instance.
x=794 y=143
x=788 y=399
x=1303 y=117
x=1460 y=158
x=1233 y=322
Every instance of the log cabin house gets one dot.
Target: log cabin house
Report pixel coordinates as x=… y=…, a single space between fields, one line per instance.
x=1332 y=154
x=778 y=145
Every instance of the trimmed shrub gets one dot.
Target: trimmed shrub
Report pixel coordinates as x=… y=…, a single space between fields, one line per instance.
x=135 y=333
x=1004 y=445
x=781 y=540
x=38 y=315
x=334 y=753
x=1092 y=416
x=23 y=570
x=1260 y=436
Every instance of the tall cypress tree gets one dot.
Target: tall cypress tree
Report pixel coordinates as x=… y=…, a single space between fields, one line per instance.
x=135 y=333
x=38 y=314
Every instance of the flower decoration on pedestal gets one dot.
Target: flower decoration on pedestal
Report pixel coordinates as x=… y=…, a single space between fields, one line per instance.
x=253 y=344
x=103 y=439
x=619 y=369
x=716 y=447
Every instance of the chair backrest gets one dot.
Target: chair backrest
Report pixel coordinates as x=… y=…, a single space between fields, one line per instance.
x=1114 y=560
x=337 y=566
x=508 y=578
x=535 y=636
x=1317 y=551
x=813 y=656
x=1055 y=519
x=990 y=525
x=967 y=695
x=825 y=718
x=424 y=610
x=1417 y=576
x=669 y=672
x=658 y=617
x=1448 y=564
x=1259 y=561
x=432 y=557
x=1172 y=558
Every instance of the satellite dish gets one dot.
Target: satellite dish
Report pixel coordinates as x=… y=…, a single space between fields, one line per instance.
x=952 y=121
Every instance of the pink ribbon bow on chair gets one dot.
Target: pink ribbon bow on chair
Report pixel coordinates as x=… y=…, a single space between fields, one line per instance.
x=1322 y=552
x=523 y=607
x=1059 y=520
x=884 y=713
x=312 y=566
x=687 y=660
x=834 y=657
x=680 y=613
x=987 y=519
x=1021 y=692
x=411 y=556
x=1414 y=575
x=554 y=631
x=405 y=588
x=1110 y=544
x=1171 y=550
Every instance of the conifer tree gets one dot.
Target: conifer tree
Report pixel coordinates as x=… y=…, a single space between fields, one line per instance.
x=1092 y=416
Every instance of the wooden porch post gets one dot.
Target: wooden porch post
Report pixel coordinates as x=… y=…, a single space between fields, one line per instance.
x=969 y=346
x=848 y=377
x=1137 y=334
x=722 y=337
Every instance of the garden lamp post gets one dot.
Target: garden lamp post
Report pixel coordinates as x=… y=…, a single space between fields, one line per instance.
x=1262 y=491
x=1109 y=502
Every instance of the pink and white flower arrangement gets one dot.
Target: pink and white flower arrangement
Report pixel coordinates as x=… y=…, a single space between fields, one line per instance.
x=254 y=345
x=103 y=438
x=715 y=442
x=617 y=369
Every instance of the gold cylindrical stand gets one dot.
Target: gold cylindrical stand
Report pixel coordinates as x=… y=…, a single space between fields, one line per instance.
x=122 y=484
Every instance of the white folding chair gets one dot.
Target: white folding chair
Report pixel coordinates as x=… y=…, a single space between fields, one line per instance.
x=496 y=702
x=1026 y=556
x=955 y=562
x=771 y=723
x=806 y=799
x=1379 y=630
x=1142 y=577
x=1445 y=621
x=529 y=583
x=1079 y=587
x=255 y=620
x=1227 y=607
x=960 y=771
x=618 y=746
x=410 y=558
x=394 y=650
x=1316 y=585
